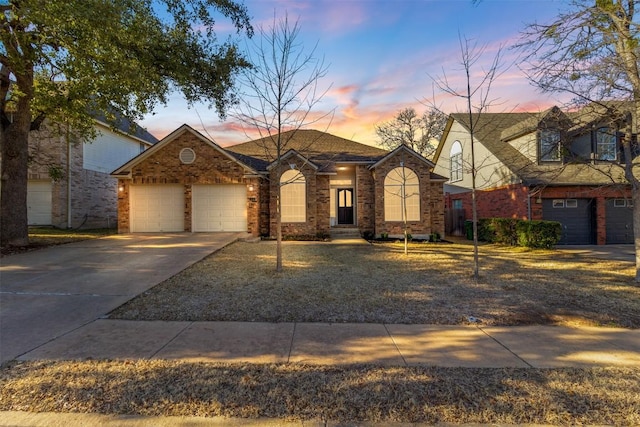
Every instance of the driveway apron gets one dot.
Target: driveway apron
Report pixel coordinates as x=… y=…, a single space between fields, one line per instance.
x=47 y=293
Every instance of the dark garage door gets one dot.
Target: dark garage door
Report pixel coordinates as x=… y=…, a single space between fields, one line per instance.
x=619 y=213
x=576 y=217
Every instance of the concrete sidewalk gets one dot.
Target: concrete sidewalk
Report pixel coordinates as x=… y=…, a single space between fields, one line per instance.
x=331 y=344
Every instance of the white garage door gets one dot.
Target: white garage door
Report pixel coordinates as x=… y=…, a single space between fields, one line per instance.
x=39 y=202
x=156 y=208
x=219 y=207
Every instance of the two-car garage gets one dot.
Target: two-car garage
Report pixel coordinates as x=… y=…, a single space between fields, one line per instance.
x=164 y=208
x=579 y=219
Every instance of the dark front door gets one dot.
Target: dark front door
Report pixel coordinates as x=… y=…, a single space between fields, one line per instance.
x=345 y=206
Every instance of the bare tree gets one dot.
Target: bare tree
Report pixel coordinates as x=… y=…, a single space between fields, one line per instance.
x=421 y=133
x=591 y=52
x=476 y=96
x=281 y=91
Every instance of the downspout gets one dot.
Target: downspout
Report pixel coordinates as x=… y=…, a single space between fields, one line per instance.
x=68 y=177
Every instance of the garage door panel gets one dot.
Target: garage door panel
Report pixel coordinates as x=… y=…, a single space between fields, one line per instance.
x=576 y=217
x=39 y=203
x=157 y=208
x=219 y=207
x=619 y=221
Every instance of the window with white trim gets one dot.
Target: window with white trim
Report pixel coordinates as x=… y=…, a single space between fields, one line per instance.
x=455 y=158
x=293 y=195
x=606 y=144
x=401 y=195
x=549 y=145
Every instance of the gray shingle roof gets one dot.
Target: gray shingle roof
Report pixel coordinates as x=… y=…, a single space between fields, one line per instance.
x=494 y=130
x=321 y=148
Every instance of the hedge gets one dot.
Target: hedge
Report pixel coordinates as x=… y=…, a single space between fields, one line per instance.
x=516 y=232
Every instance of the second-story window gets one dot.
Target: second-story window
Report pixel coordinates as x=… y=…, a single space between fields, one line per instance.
x=550 y=145
x=455 y=156
x=606 y=144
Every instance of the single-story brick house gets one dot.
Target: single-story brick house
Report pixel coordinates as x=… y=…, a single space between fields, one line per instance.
x=548 y=165
x=186 y=182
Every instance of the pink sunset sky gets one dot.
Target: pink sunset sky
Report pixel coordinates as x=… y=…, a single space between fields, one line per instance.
x=383 y=56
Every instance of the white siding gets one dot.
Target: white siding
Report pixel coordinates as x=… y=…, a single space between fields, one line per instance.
x=491 y=172
x=109 y=151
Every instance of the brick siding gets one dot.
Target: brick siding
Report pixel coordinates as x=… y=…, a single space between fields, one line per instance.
x=210 y=167
x=431 y=199
x=93 y=194
x=512 y=202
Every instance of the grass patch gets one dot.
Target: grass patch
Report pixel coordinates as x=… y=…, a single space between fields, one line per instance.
x=42 y=237
x=608 y=396
x=324 y=282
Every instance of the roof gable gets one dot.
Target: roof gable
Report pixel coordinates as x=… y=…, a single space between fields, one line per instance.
x=402 y=149
x=125 y=169
x=293 y=153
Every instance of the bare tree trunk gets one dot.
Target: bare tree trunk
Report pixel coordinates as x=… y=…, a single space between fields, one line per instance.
x=279 y=230
x=14 y=139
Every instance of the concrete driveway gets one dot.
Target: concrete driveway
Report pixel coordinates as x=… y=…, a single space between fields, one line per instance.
x=606 y=252
x=47 y=293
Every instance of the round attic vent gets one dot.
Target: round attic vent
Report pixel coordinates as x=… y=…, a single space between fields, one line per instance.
x=187 y=156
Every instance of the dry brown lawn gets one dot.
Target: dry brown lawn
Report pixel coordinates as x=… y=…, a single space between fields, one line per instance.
x=324 y=282
x=598 y=396
x=360 y=283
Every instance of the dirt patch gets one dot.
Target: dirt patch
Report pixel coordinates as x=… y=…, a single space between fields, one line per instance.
x=324 y=282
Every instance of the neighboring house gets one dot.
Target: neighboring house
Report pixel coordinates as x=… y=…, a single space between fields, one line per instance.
x=551 y=165
x=70 y=185
x=186 y=182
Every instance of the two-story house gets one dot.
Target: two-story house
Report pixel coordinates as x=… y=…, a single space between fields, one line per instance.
x=70 y=185
x=551 y=165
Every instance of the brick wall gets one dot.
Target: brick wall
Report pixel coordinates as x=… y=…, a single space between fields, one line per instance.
x=366 y=200
x=93 y=194
x=598 y=193
x=209 y=167
x=315 y=190
x=511 y=202
x=505 y=202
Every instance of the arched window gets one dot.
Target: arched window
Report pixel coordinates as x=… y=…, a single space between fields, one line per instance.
x=293 y=196
x=455 y=157
x=401 y=195
x=606 y=144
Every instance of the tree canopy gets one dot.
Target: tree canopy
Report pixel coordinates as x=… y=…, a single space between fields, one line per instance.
x=591 y=50
x=62 y=60
x=420 y=133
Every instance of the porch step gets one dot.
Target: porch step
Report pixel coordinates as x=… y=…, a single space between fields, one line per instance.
x=345 y=233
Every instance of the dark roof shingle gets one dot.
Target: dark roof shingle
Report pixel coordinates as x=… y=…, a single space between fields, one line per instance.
x=321 y=148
